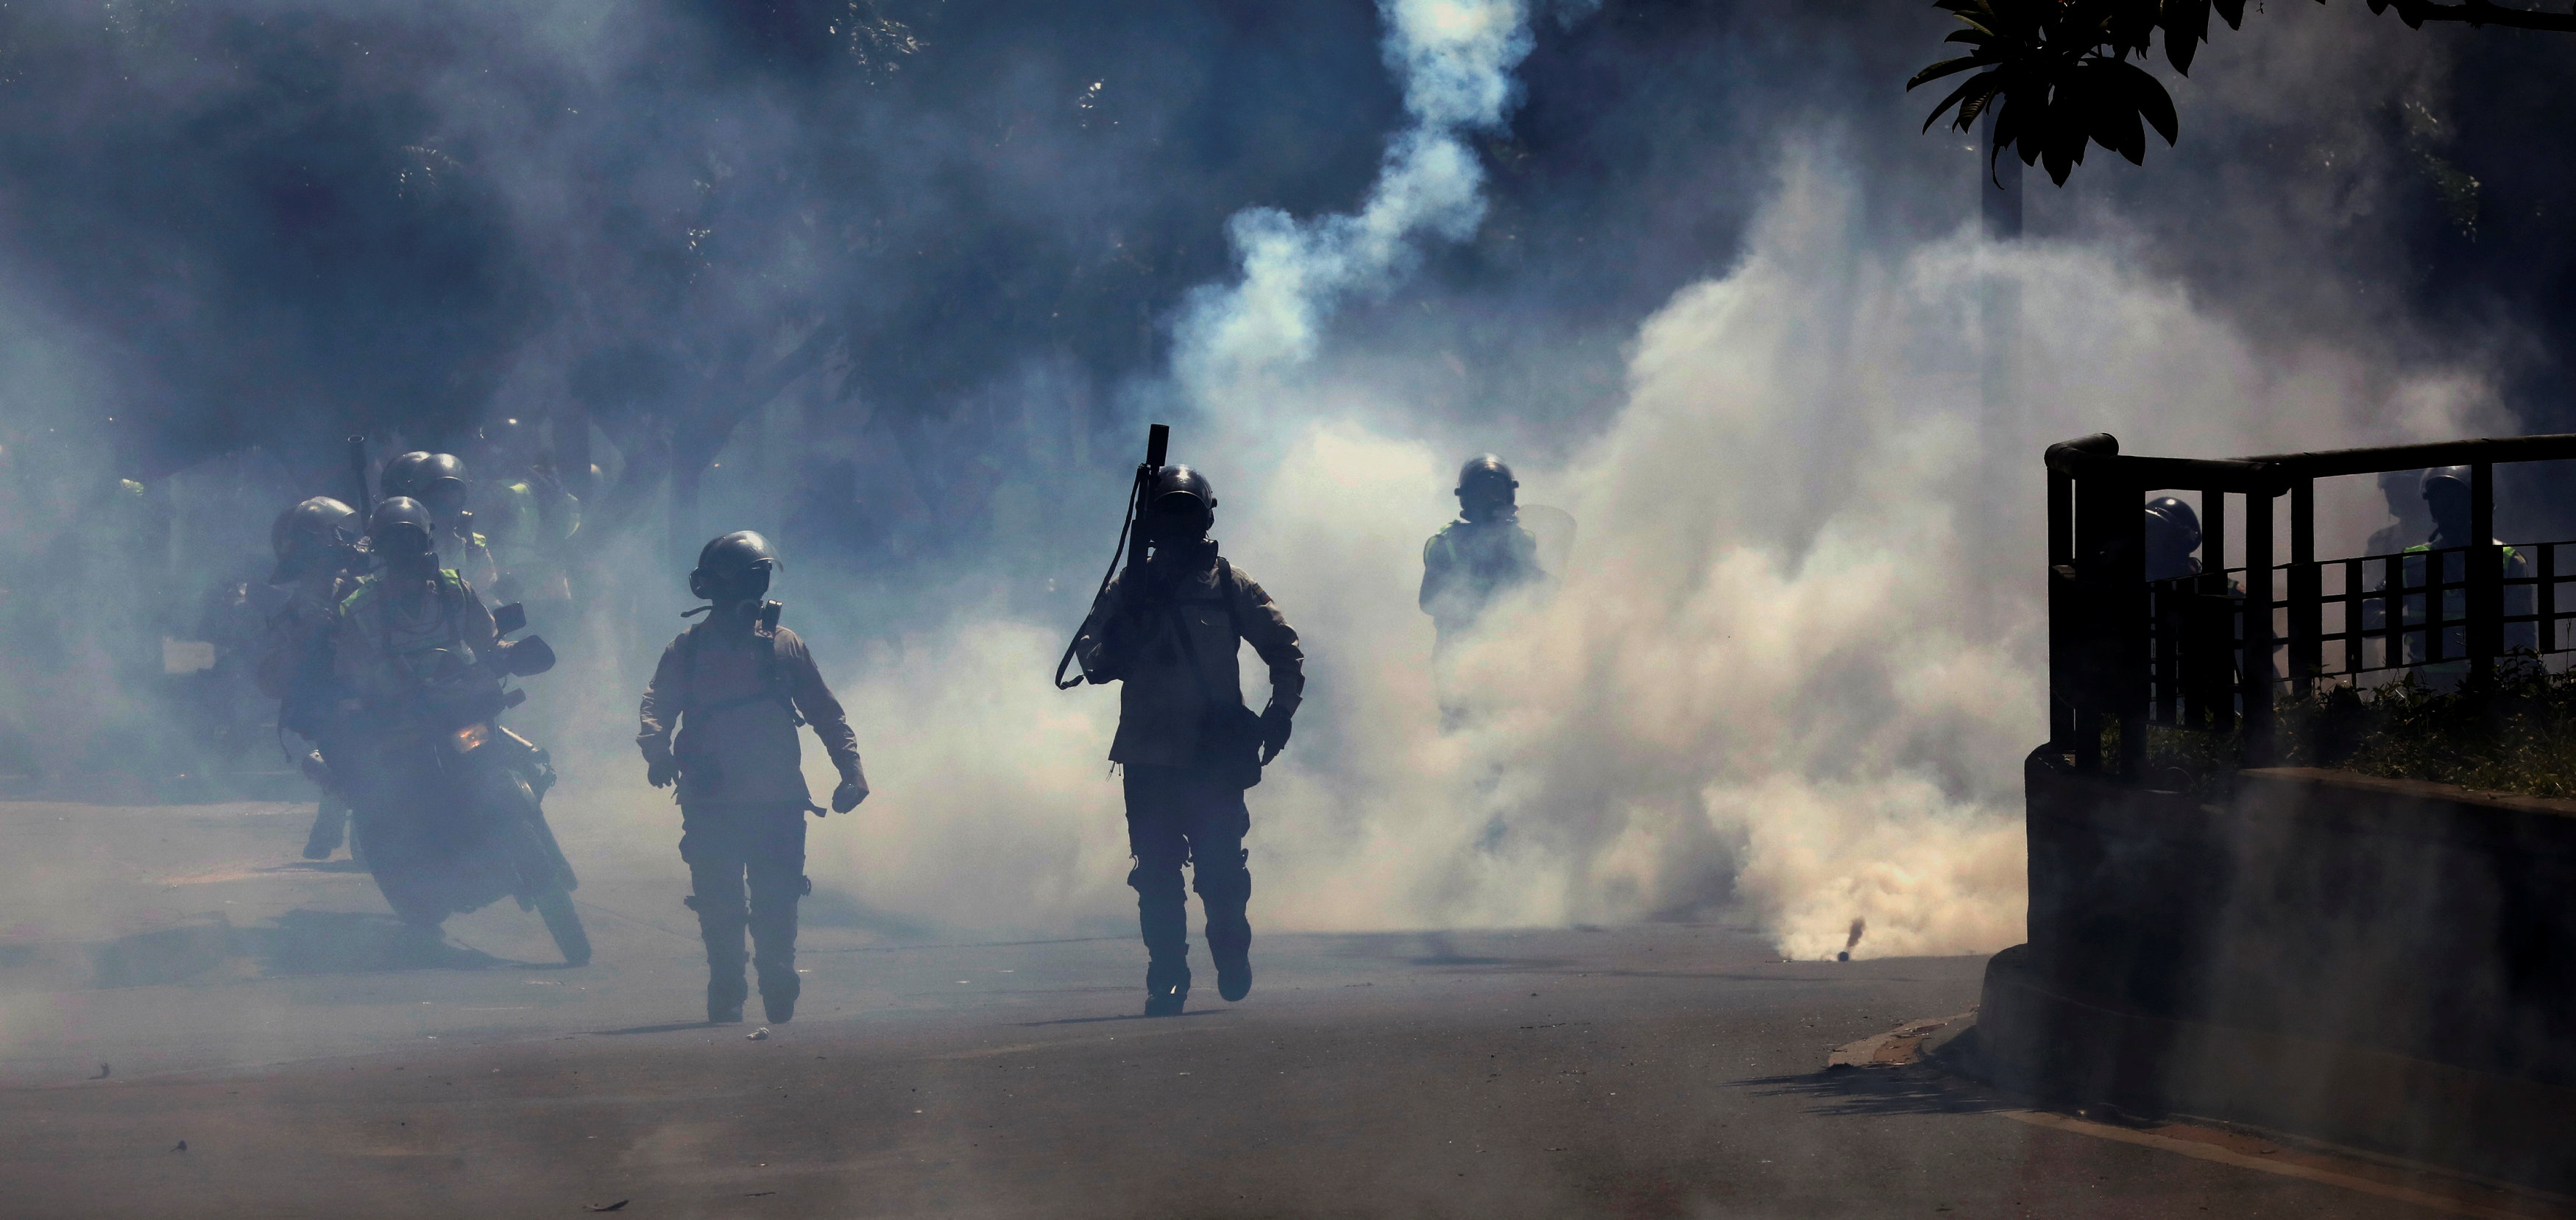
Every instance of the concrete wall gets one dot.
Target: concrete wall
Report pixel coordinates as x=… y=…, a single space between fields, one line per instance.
x=2377 y=961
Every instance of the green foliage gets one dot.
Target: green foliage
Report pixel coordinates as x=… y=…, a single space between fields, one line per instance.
x=2059 y=76
x=2058 y=73
x=2514 y=732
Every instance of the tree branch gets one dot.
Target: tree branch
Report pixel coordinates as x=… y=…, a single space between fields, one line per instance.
x=2483 y=12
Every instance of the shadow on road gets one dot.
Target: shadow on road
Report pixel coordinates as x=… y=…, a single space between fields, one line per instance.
x=299 y=943
x=1133 y=1016
x=348 y=942
x=1849 y=1092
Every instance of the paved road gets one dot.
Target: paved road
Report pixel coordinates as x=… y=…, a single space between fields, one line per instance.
x=1662 y=1070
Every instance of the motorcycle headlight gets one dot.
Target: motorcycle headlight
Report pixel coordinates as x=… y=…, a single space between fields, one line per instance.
x=470 y=738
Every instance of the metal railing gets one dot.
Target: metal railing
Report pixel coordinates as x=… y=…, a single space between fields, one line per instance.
x=2185 y=652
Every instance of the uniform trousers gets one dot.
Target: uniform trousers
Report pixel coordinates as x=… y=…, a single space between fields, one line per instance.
x=725 y=845
x=1176 y=816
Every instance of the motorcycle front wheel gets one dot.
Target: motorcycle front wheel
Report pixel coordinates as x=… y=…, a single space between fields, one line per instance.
x=565 y=923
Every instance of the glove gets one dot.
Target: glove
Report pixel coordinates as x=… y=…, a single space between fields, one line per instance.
x=662 y=772
x=847 y=797
x=1274 y=732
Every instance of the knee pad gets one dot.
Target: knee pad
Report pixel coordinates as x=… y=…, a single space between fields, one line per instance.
x=715 y=909
x=1154 y=881
x=1224 y=881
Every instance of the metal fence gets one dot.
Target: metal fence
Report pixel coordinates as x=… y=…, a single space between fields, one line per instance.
x=2186 y=653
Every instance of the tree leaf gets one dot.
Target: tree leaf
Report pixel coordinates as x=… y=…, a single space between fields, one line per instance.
x=2186 y=25
x=2156 y=106
x=1944 y=68
x=1978 y=86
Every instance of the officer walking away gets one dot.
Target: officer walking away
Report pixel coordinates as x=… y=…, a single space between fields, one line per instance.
x=437 y=480
x=1167 y=627
x=316 y=544
x=735 y=687
x=1482 y=555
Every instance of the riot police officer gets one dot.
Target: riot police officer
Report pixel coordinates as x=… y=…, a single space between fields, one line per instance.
x=2446 y=492
x=437 y=481
x=2173 y=539
x=526 y=514
x=1167 y=630
x=316 y=544
x=1482 y=555
x=720 y=721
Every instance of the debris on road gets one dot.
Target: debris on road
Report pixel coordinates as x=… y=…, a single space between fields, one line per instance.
x=183 y=1146
x=619 y=1205
x=758 y=1035
x=1895 y=1048
x=102 y=1072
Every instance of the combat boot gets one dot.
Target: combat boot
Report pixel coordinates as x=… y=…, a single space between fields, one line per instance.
x=330 y=825
x=778 y=999
x=724 y=1004
x=1226 y=892
x=1167 y=987
x=726 y=989
x=1233 y=969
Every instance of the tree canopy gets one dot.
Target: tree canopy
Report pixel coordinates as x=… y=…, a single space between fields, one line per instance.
x=2062 y=74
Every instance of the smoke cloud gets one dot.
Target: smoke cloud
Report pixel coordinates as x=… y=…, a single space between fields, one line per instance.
x=1455 y=60
x=1796 y=660
x=902 y=286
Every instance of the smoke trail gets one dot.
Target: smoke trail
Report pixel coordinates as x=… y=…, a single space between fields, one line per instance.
x=1455 y=58
x=1782 y=671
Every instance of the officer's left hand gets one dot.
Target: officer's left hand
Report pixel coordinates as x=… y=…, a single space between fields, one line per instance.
x=847 y=797
x=1274 y=734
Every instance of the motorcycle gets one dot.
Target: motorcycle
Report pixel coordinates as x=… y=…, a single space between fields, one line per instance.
x=451 y=803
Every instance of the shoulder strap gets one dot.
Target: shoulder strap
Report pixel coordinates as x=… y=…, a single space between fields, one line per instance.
x=1190 y=650
x=775 y=679
x=1227 y=588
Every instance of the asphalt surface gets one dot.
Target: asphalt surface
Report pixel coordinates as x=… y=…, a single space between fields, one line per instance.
x=193 y=1022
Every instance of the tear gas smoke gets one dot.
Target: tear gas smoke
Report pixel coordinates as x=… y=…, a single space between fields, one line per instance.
x=1455 y=59
x=1793 y=664
x=1796 y=662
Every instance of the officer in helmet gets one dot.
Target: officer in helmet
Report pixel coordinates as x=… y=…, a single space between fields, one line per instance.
x=1482 y=555
x=411 y=623
x=525 y=513
x=316 y=544
x=437 y=481
x=2173 y=539
x=1167 y=628
x=720 y=721
x=2448 y=498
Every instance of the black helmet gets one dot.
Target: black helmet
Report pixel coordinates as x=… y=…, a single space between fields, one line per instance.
x=310 y=533
x=401 y=528
x=2177 y=520
x=1486 y=473
x=1183 y=494
x=735 y=566
x=1484 y=483
x=2444 y=474
x=425 y=477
